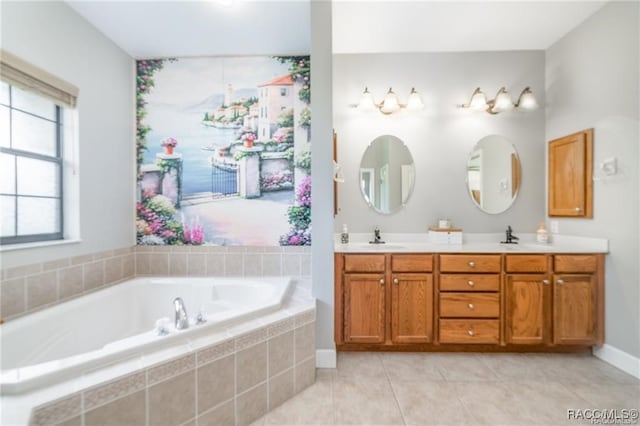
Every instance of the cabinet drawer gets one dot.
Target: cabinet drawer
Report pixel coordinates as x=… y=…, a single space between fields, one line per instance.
x=470 y=263
x=470 y=282
x=576 y=263
x=364 y=263
x=526 y=263
x=469 y=331
x=469 y=305
x=411 y=262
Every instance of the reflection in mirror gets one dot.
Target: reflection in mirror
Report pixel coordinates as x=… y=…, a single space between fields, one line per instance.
x=387 y=174
x=493 y=174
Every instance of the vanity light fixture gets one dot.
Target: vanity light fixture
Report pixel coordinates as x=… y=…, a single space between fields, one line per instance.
x=502 y=101
x=390 y=104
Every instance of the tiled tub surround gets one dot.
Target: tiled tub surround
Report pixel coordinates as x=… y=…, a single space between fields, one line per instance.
x=29 y=288
x=233 y=376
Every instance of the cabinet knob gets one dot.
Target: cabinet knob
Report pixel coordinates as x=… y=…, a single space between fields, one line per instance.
x=471 y=283
x=381 y=281
x=471 y=306
x=470 y=332
x=472 y=263
x=560 y=281
x=395 y=281
x=578 y=209
x=546 y=282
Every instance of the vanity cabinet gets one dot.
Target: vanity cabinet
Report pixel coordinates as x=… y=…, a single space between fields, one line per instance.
x=469 y=298
x=527 y=300
x=490 y=302
x=384 y=299
x=578 y=300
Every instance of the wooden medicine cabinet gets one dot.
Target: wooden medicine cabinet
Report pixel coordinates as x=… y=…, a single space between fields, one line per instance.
x=570 y=175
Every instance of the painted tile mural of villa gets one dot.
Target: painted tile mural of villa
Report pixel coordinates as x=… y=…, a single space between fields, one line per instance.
x=223 y=151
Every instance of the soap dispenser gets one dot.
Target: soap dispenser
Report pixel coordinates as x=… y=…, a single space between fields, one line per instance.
x=344 y=237
x=542 y=235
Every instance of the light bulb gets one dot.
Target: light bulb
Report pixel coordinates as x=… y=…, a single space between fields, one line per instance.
x=366 y=101
x=527 y=100
x=478 y=101
x=415 y=101
x=503 y=101
x=390 y=103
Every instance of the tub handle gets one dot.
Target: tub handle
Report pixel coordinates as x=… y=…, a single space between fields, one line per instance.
x=201 y=318
x=162 y=326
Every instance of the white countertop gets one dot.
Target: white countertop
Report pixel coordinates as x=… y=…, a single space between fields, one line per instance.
x=472 y=243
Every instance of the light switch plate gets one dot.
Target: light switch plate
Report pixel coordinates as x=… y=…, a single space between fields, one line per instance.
x=555 y=226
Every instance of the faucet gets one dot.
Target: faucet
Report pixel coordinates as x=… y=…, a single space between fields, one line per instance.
x=182 y=320
x=511 y=239
x=376 y=237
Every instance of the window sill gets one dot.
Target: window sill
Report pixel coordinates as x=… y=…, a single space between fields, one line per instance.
x=39 y=244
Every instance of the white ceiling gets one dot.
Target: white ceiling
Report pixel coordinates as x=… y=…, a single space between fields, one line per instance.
x=147 y=29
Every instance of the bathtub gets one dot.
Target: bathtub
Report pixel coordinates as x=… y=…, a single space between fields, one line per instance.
x=118 y=323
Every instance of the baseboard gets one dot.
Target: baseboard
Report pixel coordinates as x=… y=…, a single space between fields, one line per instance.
x=326 y=358
x=619 y=359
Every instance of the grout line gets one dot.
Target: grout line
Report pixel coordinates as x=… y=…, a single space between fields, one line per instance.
x=395 y=397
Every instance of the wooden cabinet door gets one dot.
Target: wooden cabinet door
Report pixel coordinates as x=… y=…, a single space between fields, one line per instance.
x=527 y=309
x=575 y=309
x=412 y=308
x=570 y=175
x=364 y=308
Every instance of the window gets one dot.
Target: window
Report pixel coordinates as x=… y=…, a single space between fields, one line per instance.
x=283 y=91
x=37 y=115
x=31 y=167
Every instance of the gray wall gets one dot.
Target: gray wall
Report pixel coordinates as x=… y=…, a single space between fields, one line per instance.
x=322 y=170
x=52 y=36
x=592 y=80
x=441 y=136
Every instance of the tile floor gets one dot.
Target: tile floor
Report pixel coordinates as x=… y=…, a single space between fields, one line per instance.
x=457 y=389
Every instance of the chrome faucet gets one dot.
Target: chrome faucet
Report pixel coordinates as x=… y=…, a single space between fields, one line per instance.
x=511 y=239
x=182 y=320
x=376 y=237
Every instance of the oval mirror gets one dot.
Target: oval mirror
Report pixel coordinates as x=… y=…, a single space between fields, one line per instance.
x=493 y=174
x=387 y=174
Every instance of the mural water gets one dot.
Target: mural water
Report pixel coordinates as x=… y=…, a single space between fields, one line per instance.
x=224 y=151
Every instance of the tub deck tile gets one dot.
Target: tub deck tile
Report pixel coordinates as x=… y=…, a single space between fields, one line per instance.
x=104 y=393
x=171 y=369
x=57 y=411
x=216 y=351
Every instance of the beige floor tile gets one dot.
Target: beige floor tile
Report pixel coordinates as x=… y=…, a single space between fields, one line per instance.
x=313 y=406
x=430 y=403
x=410 y=367
x=491 y=403
x=609 y=396
x=545 y=403
x=360 y=364
x=462 y=367
x=512 y=367
x=365 y=401
x=581 y=368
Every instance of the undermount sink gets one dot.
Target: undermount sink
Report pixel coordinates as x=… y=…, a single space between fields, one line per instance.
x=382 y=247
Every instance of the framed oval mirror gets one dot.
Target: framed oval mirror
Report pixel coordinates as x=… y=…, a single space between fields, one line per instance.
x=387 y=174
x=493 y=174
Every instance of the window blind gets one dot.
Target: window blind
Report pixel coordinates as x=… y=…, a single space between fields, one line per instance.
x=24 y=75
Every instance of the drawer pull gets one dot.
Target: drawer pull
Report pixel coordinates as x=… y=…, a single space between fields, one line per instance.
x=381 y=281
x=472 y=264
x=545 y=282
x=559 y=281
x=395 y=281
x=470 y=332
x=471 y=306
x=471 y=283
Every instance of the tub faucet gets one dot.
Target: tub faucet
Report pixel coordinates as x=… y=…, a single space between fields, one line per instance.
x=182 y=320
x=511 y=239
x=376 y=237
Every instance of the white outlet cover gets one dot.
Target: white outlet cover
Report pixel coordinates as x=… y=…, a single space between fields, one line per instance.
x=555 y=226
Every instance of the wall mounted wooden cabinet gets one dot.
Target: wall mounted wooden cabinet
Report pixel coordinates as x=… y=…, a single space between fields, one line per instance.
x=488 y=302
x=570 y=185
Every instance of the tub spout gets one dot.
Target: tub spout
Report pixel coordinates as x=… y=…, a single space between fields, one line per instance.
x=182 y=320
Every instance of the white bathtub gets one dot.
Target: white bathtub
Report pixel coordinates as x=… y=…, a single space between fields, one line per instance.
x=98 y=329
